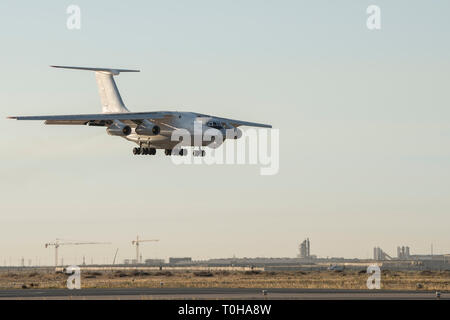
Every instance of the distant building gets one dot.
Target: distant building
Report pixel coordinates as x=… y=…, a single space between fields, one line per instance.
x=130 y=261
x=154 y=262
x=305 y=249
x=173 y=260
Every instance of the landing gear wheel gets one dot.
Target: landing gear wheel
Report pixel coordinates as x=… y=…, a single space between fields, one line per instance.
x=199 y=153
x=136 y=151
x=168 y=152
x=152 y=151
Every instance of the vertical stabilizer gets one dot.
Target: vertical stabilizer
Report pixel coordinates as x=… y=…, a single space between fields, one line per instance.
x=109 y=94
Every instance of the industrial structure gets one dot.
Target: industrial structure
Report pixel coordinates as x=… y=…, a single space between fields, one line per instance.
x=379 y=254
x=403 y=253
x=305 y=249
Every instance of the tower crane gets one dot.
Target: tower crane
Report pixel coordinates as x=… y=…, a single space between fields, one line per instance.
x=137 y=242
x=58 y=242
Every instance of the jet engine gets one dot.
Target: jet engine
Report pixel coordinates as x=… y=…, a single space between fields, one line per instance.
x=148 y=128
x=118 y=128
x=213 y=138
x=234 y=133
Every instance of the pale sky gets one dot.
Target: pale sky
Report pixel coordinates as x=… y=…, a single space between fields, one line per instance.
x=363 y=119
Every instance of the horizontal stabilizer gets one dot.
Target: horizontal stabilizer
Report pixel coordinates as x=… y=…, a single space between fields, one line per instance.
x=107 y=70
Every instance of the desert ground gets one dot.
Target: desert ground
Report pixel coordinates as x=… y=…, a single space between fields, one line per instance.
x=390 y=280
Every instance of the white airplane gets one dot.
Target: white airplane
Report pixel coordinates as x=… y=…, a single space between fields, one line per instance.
x=149 y=130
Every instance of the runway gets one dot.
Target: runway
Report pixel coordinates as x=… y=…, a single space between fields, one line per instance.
x=214 y=293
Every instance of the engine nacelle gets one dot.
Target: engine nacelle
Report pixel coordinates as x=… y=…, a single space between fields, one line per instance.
x=213 y=138
x=213 y=143
x=148 y=128
x=118 y=128
x=234 y=133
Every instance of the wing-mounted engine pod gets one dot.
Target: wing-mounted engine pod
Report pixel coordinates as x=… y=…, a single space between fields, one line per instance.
x=148 y=128
x=213 y=138
x=234 y=133
x=118 y=128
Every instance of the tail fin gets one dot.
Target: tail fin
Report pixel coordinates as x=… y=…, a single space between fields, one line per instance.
x=109 y=94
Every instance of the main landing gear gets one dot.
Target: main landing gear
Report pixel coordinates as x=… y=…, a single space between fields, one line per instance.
x=168 y=152
x=198 y=153
x=145 y=151
x=180 y=152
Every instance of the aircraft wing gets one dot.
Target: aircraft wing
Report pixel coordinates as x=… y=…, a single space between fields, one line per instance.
x=237 y=123
x=97 y=119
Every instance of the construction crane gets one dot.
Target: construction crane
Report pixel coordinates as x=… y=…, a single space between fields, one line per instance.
x=58 y=243
x=114 y=260
x=136 y=243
